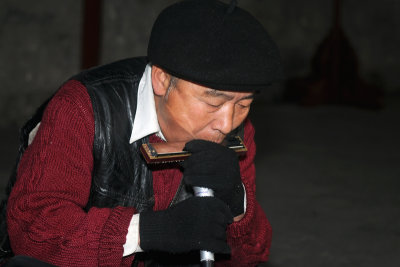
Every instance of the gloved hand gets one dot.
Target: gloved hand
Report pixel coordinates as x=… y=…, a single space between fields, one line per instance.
x=215 y=166
x=197 y=223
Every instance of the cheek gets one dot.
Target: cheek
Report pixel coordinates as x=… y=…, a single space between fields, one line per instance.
x=240 y=116
x=198 y=117
x=192 y=117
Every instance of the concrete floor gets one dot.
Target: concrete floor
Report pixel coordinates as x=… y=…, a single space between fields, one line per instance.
x=328 y=179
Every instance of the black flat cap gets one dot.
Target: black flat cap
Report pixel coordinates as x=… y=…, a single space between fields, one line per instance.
x=214 y=44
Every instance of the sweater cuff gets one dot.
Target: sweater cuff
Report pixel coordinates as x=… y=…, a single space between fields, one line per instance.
x=113 y=236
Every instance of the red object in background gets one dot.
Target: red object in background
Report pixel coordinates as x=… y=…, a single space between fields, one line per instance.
x=334 y=78
x=91 y=31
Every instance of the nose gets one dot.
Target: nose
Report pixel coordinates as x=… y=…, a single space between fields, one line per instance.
x=224 y=119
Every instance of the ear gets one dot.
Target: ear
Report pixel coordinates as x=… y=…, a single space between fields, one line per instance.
x=160 y=80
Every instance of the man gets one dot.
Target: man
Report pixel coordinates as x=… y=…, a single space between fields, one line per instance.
x=84 y=195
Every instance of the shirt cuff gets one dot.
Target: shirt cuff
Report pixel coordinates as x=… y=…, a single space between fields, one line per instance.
x=245 y=199
x=132 y=238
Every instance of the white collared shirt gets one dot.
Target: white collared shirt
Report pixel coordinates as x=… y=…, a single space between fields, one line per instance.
x=146 y=121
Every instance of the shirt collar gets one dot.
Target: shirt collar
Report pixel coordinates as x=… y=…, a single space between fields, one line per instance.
x=146 y=121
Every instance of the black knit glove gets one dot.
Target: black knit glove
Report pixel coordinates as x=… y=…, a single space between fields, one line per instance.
x=214 y=166
x=197 y=223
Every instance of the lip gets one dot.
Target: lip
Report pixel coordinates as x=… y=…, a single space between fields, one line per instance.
x=218 y=140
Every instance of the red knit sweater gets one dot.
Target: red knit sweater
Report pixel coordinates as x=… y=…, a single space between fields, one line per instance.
x=46 y=219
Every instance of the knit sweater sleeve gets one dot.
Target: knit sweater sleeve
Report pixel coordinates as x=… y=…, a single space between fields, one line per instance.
x=45 y=216
x=249 y=238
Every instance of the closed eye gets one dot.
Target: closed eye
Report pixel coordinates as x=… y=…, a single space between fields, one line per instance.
x=214 y=105
x=246 y=103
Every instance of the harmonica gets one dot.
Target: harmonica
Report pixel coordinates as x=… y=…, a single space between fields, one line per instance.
x=169 y=152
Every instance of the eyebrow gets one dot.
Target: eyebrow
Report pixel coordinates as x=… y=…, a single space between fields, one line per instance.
x=217 y=93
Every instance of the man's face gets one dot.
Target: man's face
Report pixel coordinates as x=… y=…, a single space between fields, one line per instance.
x=190 y=111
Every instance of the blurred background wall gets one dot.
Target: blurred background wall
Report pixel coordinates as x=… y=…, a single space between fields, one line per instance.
x=40 y=41
x=327 y=177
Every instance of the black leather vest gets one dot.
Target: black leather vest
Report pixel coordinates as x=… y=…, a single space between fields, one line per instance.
x=120 y=175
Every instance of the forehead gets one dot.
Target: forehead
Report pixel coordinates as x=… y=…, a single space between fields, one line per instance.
x=228 y=95
x=213 y=93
